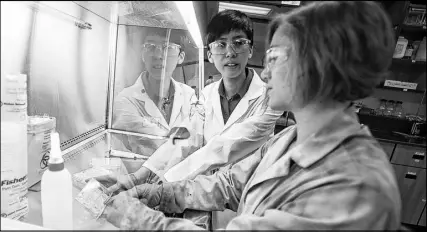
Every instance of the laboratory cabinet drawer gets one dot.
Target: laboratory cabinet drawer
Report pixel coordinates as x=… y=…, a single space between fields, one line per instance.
x=422 y=221
x=412 y=187
x=409 y=155
x=388 y=148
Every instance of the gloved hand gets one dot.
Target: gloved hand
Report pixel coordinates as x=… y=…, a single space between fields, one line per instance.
x=149 y=194
x=117 y=184
x=128 y=213
x=117 y=207
x=145 y=175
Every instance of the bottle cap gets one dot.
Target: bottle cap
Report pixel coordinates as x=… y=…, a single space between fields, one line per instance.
x=56 y=162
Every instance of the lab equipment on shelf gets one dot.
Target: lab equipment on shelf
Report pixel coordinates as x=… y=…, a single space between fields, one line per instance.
x=381 y=108
x=421 y=51
x=389 y=108
x=400 y=49
x=398 y=111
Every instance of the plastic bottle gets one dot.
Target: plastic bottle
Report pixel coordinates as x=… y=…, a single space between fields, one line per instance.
x=56 y=191
x=380 y=110
x=14 y=154
x=421 y=51
x=400 y=49
x=408 y=52
x=415 y=46
x=389 y=108
x=398 y=111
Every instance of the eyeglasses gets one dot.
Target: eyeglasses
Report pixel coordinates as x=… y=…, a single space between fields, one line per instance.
x=238 y=45
x=272 y=54
x=169 y=47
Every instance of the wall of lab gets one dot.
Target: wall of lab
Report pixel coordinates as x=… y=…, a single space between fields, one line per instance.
x=67 y=67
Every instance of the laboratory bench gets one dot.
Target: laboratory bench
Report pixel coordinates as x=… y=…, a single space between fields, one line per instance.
x=78 y=158
x=406 y=156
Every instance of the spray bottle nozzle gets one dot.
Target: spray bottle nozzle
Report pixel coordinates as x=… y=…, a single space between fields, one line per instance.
x=55 y=152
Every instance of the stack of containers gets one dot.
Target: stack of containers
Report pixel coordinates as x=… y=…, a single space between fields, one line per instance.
x=14 y=185
x=38 y=139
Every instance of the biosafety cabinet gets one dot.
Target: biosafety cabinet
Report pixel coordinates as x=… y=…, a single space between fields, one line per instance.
x=81 y=57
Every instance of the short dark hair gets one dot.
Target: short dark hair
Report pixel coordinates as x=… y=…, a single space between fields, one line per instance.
x=226 y=21
x=343 y=49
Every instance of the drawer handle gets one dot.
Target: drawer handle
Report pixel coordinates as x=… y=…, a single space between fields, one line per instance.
x=419 y=155
x=411 y=175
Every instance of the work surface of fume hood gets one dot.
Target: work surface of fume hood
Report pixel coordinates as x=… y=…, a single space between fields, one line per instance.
x=78 y=56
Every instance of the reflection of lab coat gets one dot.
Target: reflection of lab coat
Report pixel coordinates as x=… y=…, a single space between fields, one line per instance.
x=134 y=111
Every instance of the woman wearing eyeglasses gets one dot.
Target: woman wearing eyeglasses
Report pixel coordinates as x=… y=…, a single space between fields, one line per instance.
x=325 y=173
x=156 y=102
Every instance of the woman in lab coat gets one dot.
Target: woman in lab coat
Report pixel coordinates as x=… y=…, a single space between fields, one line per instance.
x=325 y=173
x=156 y=102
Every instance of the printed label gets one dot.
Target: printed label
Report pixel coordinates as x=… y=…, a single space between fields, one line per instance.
x=14 y=98
x=17 y=203
x=400 y=84
x=14 y=169
x=399 y=48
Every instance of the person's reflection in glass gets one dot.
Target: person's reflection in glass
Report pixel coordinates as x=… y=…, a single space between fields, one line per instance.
x=155 y=103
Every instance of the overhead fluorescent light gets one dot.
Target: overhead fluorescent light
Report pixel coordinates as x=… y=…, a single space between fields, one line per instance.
x=293 y=3
x=186 y=9
x=188 y=13
x=256 y=10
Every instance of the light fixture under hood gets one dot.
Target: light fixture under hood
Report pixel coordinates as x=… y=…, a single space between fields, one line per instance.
x=254 y=10
x=292 y=3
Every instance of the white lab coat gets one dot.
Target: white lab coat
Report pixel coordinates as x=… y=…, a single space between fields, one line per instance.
x=134 y=111
x=250 y=125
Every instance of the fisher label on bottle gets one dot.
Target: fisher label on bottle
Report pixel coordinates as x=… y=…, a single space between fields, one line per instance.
x=13 y=170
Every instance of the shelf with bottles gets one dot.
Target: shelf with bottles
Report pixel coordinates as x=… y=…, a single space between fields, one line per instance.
x=390 y=108
x=413 y=28
x=415 y=17
x=410 y=50
x=409 y=61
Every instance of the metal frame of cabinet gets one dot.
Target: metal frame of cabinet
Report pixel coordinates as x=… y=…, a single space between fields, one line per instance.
x=422 y=221
x=410 y=168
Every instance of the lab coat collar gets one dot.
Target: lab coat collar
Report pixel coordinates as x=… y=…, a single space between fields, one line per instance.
x=140 y=94
x=255 y=90
x=178 y=102
x=276 y=164
x=343 y=126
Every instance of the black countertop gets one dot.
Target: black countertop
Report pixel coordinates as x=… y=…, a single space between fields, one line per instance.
x=400 y=139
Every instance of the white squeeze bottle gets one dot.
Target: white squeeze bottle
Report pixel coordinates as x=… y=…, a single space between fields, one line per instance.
x=56 y=191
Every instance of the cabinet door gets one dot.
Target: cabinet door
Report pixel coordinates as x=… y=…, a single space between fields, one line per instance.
x=388 y=148
x=409 y=155
x=422 y=221
x=412 y=186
